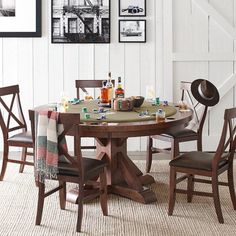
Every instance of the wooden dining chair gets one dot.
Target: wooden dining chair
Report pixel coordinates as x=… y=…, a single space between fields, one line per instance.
x=73 y=169
x=182 y=135
x=84 y=85
x=207 y=165
x=14 y=127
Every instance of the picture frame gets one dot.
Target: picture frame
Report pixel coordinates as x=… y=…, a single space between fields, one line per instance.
x=132 y=31
x=14 y=22
x=132 y=8
x=88 y=23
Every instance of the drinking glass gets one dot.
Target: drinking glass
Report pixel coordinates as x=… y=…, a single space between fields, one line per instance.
x=150 y=92
x=64 y=101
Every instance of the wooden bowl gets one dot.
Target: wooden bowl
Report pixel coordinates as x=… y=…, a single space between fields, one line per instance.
x=138 y=101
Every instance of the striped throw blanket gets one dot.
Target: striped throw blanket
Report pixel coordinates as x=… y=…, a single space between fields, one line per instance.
x=47 y=154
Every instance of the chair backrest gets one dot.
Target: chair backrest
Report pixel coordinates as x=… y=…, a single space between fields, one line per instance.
x=199 y=111
x=83 y=84
x=227 y=144
x=71 y=124
x=207 y=95
x=9 y=98
x=186 y=95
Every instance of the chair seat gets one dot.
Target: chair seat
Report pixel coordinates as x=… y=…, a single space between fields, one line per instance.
x=25 y=137
x=196 y=160
x=92 y=167
x=181 y=133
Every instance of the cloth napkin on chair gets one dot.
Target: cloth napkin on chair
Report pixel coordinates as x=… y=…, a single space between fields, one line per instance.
x=46 y=150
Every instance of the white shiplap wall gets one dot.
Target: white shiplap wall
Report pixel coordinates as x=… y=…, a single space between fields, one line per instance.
x=194 y=37
x=204 y=36
x=43 y=70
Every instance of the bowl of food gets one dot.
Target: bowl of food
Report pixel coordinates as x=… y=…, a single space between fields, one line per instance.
x=138 y=101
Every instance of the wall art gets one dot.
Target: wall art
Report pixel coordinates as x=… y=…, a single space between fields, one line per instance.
x=80 y=21
x=132 y=31
x=132 y=7
x=20 y=18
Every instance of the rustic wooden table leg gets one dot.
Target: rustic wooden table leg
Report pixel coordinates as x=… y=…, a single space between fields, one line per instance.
x=123 y=176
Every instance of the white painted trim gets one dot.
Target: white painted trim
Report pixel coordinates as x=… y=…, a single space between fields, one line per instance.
x=223 y=89
x=168 y=50
x=222 y=22
x=191 y=57
x=227 y=85
x=159 y=49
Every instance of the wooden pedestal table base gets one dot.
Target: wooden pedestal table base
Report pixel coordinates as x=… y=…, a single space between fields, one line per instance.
x=123 y=176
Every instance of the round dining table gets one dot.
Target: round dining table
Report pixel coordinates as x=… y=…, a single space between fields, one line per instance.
x=111 y=129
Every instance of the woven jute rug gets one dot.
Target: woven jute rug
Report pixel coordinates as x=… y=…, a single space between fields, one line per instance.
x=18 y=201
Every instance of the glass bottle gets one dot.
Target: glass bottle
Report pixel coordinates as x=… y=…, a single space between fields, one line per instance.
x=119 y=92
x=160 y=115
x=104 y=92
x=110 y=88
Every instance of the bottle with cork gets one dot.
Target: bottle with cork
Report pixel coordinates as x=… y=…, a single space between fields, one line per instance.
x=119 y=92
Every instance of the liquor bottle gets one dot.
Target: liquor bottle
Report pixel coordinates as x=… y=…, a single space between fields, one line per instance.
x=110 y=88
x=119 y=92
x=104 y=92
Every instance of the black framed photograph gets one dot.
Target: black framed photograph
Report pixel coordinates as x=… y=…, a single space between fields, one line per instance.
x=80 y=21
x=132 y=7
x=20 y=18
x=132 y=31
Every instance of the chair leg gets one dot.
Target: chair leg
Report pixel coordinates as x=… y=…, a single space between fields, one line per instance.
x=199 y=143
x=215 y=189
x=190 y=188
x=4 y=162
x=231 y=185
x=174 y=148
x=103 y=196
x=23 y=158
x=172 y=193
x=80 y=208
x=41 y=189
x=62 y=195
x=149 y=154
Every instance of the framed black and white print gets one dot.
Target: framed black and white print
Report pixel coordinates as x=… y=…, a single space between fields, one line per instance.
x=132 y=31
x=80 y=21
x=132 y=7
x=20 y=18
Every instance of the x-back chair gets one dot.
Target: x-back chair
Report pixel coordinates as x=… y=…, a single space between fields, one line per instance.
x=15 y=134
x=73 y=168
x=207 y=165
x=184 y=135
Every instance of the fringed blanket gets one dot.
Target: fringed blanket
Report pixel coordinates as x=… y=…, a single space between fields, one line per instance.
x=47 y=155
